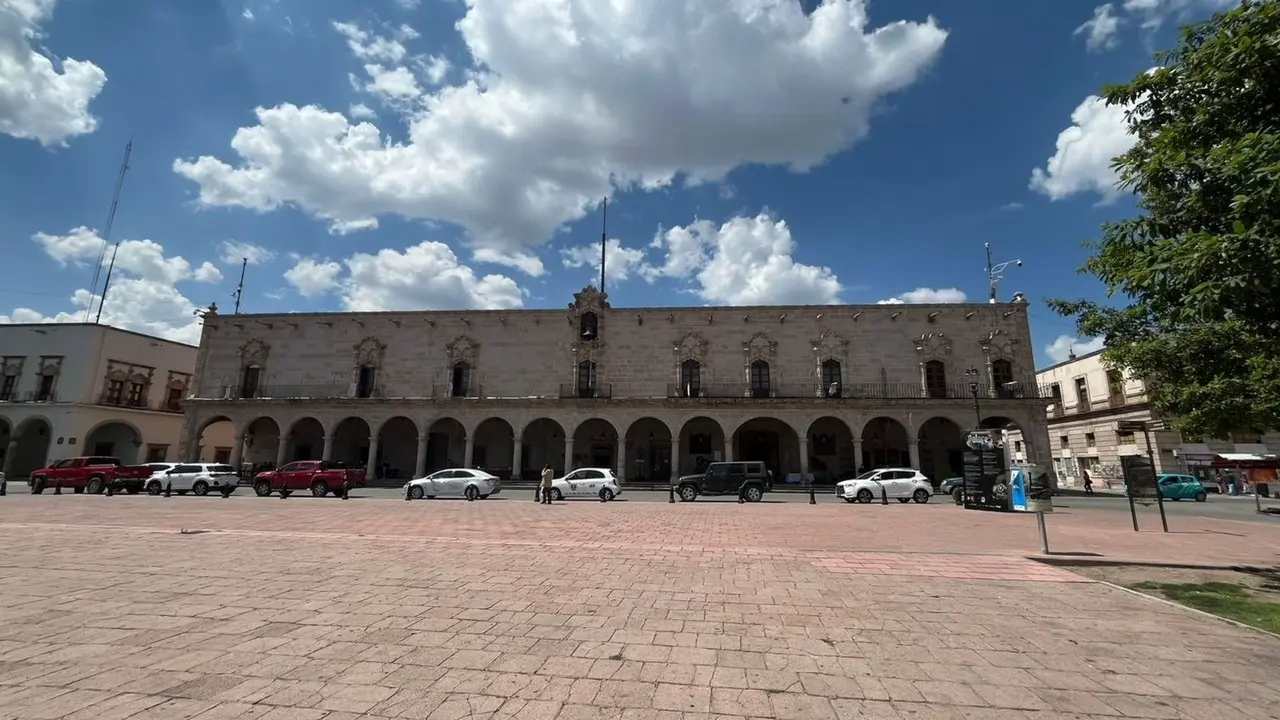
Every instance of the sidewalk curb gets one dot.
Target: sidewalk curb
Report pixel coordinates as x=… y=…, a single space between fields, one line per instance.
x=1186 y=608
x=1060 y=561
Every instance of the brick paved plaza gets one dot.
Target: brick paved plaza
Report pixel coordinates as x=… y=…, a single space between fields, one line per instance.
x=506 y=609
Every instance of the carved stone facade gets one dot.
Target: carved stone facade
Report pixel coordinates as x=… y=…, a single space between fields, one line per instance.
x=757 y=381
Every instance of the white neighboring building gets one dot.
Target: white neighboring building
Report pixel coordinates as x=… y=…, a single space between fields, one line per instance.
x=69 y=389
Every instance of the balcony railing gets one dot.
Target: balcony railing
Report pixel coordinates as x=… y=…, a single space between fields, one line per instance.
x=122 y=401
x=316 y=391
x=31 y=396
x=599 y=391
x=447 y=390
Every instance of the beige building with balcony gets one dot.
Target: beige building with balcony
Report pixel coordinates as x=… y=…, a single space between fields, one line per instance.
x=69 y=389
x=814 y=392
x=1088 y=400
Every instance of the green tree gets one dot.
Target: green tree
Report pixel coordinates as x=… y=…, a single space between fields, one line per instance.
x=1198 y=271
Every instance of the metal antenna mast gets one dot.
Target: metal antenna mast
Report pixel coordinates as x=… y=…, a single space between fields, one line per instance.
x=106 y=230
x=239 y=293
x=604 y=239
x=993 y=274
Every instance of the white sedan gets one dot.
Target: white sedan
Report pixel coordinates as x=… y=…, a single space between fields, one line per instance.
x=586 y=482
x=454 y=482
x=902 y=484
x=196 y=478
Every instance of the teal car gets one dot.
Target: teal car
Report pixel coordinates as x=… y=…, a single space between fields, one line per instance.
x=1180 y=487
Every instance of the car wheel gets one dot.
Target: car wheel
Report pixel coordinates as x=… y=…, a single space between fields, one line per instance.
x=688 y=493
x=200 y=488
x=472 y=492
x=958 y=496
x=416 y=492
x=864 y=495
x=37 y=485
x=262 y=488
x=921 y=496
x=904 y=501
x=319 y=489
x=606 y=494
x=95 y=485
x=1201 y=496
x=556 y=495
x=153 y=488
x=753 y=493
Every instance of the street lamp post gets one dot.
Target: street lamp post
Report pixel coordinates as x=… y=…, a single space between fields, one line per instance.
x=972 y=374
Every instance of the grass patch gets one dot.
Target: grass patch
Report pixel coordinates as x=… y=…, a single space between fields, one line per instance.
x=1228 y=600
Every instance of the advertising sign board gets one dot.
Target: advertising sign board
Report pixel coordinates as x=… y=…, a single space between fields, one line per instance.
x=1139 y=476
x=986 y=475
x=1030 y=488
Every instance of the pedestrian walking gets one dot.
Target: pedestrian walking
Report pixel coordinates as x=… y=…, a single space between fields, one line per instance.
x=547 y=474
x=1088 y=482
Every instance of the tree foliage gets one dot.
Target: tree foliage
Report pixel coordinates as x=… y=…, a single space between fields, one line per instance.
x=1199 y=268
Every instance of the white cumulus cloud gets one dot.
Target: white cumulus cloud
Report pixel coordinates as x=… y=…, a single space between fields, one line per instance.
x=235 y=252
x=1061 y=348
x=566 y=101
x=312 y=277
x=1100 y=30
x=926 y=296
x=38 y=100
x=1082 y=160
x=619 y=261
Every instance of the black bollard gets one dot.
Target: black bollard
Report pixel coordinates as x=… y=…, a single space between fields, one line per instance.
x=110 y=490
x=537 y=493
x=884 y=496
x=602 y=495
x=408 y=489
x=4 y=490
x=57 y=486
x=812 y=499
x=671 y=493
x=741 y=499
x=346 y=489
x=168 y=489
x=284 y=493
x=226 y=491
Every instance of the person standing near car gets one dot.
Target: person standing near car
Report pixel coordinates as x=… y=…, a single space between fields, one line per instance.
x=547 y=474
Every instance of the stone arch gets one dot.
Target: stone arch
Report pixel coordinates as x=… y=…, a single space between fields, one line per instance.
x=351 y=438
x=261 y=438
x=115 y=438
x=214 y=441
x=493 y=443
x=647 y=451
x=885 y=443
x=771 y=441
x=702 y=440
x=542 y=444
x=941 y=449
x=595 y=444
x=831 y=450
x=31 y=439
x=397 y=448
x=304 y=440
x=446 y=444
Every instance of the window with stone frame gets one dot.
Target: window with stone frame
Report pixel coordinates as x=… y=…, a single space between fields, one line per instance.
x=832 y=378
x=173 y=400
x=1115 y=383
x=367 y=381
x=586 y=385
x=8 y=388
x=250 y=377
x=137 y=396
x=690 y=378
x=115 y=392
x=1002 y=377
x=760 y=380
x=461 y=381
x=47 y=383
x=935 y=379
x=588 y=326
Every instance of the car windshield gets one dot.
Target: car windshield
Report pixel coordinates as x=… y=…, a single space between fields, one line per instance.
x=867 y=475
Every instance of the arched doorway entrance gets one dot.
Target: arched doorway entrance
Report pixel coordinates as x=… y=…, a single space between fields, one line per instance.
x=941 y=449
x=493 y=448
x=884 y=444
x=831 y=456
x=6 y=436
x=701 y=443
x=542 y=444
x=648 y=452
x=115 y=438
x=595 y=444
x=28 y=447
x=305 y=440
x=351 y=442
x=397 y=449
x=772 y=442
x=215 y=443
x=261 y=443
x=446 y=444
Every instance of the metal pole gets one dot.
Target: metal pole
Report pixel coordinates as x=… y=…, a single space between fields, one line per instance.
x=1151 y=458
x=1044 y=533
x=1133 y=510
x=991 y=277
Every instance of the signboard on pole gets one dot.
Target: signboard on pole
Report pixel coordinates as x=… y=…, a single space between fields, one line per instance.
x=986 y=475
x=1031 y=489
x=1139 y=476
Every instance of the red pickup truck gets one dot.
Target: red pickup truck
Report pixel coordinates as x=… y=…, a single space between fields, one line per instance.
x=320 y=476
x=91 y=475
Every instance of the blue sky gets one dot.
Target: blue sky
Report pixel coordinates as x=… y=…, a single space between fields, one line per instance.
x=398 y=154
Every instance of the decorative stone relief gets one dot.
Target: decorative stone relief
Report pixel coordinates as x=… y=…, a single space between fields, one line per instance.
x=369 y=351
x=462 y=349
x=998 y=343
x=830 y=346
x=759 y=347
x=50 y=365
x=254 y=353
x=589 y=298
x=11 y=365
x=933 y=346
x=691 y=347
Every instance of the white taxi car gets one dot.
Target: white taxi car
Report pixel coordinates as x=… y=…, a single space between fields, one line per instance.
x=194 y=478
x=454 y=482
x=586 y=482
x=902 y=484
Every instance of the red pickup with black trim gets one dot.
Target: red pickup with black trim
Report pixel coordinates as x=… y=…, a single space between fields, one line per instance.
x=90 y=474
x=321 y=477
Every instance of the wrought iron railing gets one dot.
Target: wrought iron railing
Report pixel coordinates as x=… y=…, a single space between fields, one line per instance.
x=598 y=391
x=448 y=390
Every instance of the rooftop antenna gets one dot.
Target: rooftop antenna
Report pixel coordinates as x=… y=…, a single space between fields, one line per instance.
x=239 y=293
x=106 y=238
x=604 y=238
x=993 y=274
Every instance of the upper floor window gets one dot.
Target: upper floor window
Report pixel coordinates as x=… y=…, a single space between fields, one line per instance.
x=690 y=378
x=1002 y=377
x=137 y=395
x=1115 y=383
x=249 y=379
x=9 y=387
x=588 y=326
x=367 y=381
x=173 y=401
x=935 y=379
x=115 y=392
x=461 y=379
x=832 y=379
x=760 y=385
x=46 y=387
x=1055 y=392
x=1082 y=393
x=586 y=379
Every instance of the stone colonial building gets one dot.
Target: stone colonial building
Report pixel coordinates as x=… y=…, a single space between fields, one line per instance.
x=814 y=391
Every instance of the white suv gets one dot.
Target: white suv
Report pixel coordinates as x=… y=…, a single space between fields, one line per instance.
x=902 y=484
x=196 y=478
